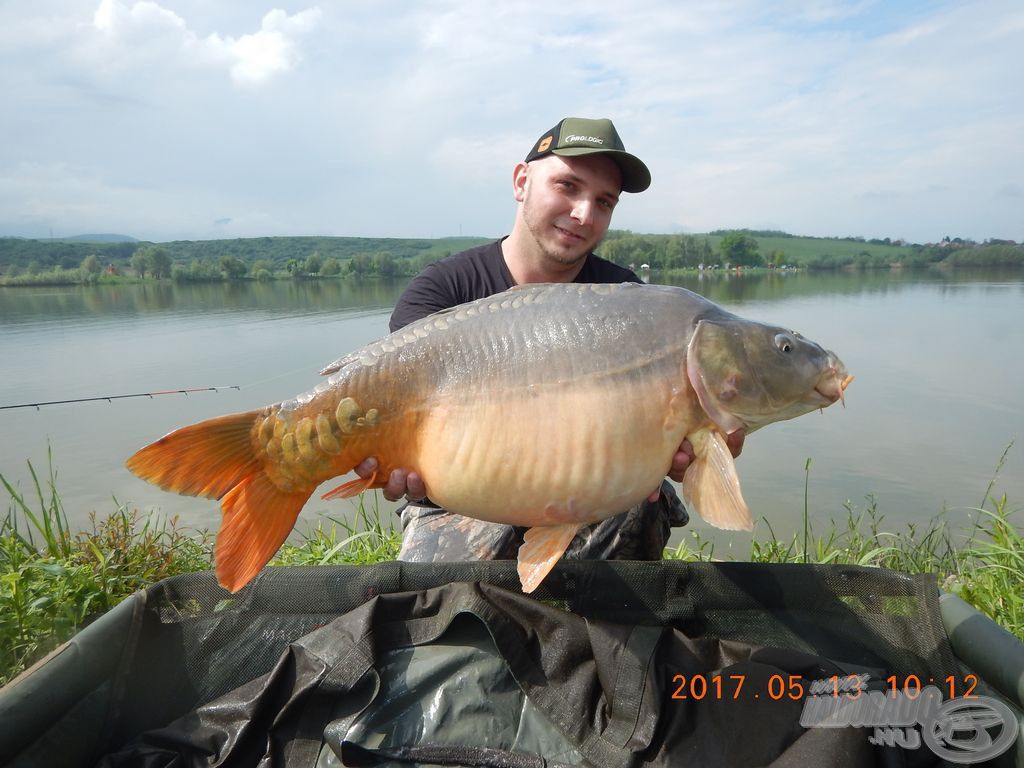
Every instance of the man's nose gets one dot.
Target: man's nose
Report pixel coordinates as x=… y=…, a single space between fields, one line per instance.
x=582 y=210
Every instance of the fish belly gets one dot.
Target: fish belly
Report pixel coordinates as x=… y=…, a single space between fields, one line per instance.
x=550 y=455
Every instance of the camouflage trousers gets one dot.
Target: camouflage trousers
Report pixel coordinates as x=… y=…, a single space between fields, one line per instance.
x=431 y=534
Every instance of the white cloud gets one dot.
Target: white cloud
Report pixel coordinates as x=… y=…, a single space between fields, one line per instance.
x=114 y=16
x=259 y=56
x=146 y=30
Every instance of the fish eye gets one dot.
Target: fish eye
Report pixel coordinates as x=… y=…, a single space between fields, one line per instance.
x=785 y=342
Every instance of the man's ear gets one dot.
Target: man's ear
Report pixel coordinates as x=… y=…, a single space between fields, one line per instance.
x=519 y=176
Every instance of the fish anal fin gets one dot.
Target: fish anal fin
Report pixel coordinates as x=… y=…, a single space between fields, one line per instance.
x=257 y=518
x=542 y=547
x=354 y=487
x=711 y=486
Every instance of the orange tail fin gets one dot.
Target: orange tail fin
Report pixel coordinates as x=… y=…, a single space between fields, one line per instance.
x=257 y=519
x=215 y=459
x=205 y=459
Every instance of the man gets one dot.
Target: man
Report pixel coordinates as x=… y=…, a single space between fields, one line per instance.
x=565 y=191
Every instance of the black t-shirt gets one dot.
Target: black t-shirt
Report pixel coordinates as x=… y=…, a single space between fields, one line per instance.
x=476 y=274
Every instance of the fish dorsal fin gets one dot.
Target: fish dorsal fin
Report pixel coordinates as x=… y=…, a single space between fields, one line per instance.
x=541 y=549
x=710 y=485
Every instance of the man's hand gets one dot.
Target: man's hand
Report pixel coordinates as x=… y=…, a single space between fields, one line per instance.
x=685 y=455
x=400 y=483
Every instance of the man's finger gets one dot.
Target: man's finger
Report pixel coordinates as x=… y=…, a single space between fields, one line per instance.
x=415 y=489
x=366 y=467
x=395 y=488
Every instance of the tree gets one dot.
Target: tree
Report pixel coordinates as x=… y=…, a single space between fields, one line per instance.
x=160 y=261
x=233 y=267
x=314 y=263
x=91 y=264
x=331 y=267
x=141 y=262
x=262 y=265
x=385 y=265
x=740 y=250
x=617 y=250
x=152 y=259
x=360 y=265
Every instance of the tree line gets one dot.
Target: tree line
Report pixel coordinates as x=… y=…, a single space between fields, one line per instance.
x=33 y=262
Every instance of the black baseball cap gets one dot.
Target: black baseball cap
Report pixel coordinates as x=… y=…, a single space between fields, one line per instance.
x=574 y=136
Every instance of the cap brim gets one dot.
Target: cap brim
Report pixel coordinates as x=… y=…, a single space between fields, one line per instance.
x=635 y=175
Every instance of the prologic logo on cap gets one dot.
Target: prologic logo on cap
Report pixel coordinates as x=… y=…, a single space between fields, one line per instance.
x=574 y=139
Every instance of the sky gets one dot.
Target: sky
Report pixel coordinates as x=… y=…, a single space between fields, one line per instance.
x=186 y=119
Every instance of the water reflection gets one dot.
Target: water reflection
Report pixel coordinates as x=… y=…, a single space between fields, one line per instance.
x=28 y=305
x=730 y=287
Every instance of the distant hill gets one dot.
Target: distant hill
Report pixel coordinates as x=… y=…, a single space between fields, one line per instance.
x=103 y=238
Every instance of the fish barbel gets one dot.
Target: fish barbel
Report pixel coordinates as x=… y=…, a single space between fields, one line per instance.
x=551 y=406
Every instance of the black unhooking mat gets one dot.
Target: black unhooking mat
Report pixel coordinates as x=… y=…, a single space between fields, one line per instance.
x=607 y=664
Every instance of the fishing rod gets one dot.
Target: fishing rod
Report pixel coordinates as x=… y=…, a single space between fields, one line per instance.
x=110 y=398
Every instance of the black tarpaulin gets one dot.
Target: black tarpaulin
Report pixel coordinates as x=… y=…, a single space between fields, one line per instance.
x=607 y=664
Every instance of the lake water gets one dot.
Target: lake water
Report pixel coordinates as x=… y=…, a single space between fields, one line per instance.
x=938 y=360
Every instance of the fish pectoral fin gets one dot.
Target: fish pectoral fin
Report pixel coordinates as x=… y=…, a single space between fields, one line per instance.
x=711 y=486
x=542 y=547
x=354 y=487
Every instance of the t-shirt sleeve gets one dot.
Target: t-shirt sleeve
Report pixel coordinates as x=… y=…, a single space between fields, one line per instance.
x=426 y=294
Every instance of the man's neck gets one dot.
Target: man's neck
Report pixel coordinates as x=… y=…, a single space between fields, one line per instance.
x=527 y=267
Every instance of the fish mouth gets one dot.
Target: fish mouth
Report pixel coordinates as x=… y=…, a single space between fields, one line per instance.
x=833 y=384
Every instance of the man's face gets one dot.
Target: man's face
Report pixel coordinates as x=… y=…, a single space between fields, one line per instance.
x=567 y=203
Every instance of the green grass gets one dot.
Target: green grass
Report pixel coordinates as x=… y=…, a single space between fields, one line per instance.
x=984 y=565
x=53 y=583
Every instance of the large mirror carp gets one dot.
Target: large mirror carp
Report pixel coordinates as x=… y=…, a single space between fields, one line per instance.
x=547 y=406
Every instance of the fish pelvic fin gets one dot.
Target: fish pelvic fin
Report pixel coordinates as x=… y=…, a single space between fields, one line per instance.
x=355 y=487
x=257 y=519
x=542 y=547
x=711 y=486
x=216 y=459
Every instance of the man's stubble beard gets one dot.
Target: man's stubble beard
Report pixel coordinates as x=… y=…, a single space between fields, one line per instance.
x=538 y=229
